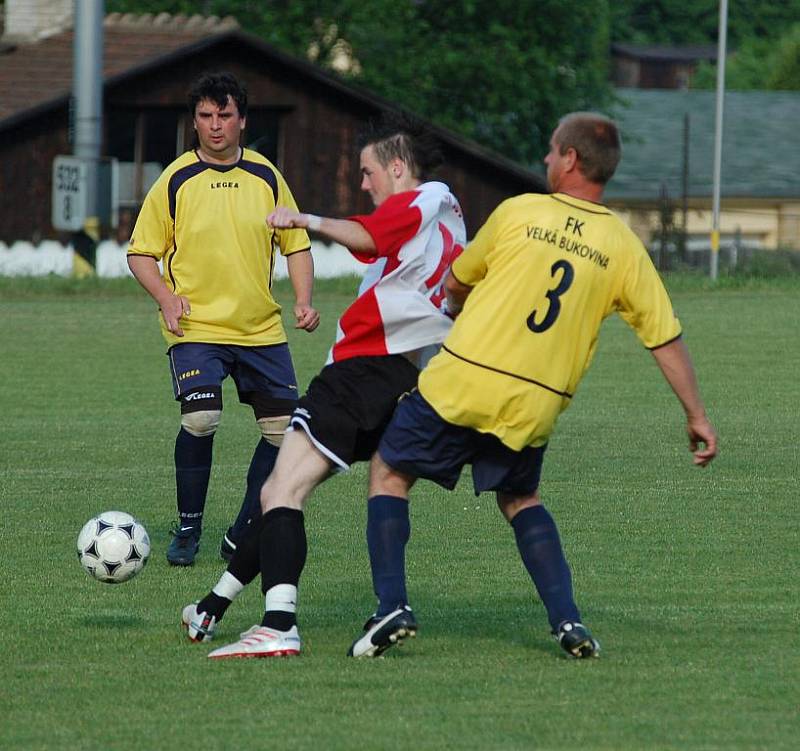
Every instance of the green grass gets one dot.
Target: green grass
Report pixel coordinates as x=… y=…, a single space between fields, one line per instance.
x=687 y=576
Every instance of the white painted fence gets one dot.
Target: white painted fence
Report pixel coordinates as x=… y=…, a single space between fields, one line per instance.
x=51 y=257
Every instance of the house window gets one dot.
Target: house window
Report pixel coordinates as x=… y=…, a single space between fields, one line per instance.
x=262 y=133
x=152 y=135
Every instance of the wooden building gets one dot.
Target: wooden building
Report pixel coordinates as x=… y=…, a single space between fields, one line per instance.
x=303 y=118
x=647 y=66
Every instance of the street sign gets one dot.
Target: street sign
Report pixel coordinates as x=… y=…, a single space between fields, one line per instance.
x=70 y=192
x=70 y=197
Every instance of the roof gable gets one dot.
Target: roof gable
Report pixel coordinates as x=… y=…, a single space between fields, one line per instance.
x=37 y=77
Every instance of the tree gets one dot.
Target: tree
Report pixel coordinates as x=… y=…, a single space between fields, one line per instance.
x=498 y=71
x=491 y=69
x=758 y=64
x=696 y=21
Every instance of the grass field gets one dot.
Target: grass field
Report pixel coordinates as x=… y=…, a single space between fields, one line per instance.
x=688 y=577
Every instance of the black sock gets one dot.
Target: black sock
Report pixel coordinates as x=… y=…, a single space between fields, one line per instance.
x=192 y=471
x=246 y=562
x=540 y=547
x=213 y=604
x=283 y=553
x=260 y=466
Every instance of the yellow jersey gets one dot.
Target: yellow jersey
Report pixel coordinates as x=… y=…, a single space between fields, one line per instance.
x=207 y=224
x=546 y=271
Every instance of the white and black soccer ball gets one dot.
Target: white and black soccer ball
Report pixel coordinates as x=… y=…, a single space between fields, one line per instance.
x=113 y=547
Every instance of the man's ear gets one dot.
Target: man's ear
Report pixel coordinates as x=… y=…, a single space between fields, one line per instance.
x=570 y=159
x=397 y=167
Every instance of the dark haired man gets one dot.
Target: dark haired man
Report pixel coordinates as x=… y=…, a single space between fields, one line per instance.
x=535 y=284
x=204 y=220
x=409 y=241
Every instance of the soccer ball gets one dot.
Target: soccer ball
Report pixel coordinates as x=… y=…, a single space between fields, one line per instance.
x=113 y=547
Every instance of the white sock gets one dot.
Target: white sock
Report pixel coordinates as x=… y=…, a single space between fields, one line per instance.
x=281 y=597
x=228 y=586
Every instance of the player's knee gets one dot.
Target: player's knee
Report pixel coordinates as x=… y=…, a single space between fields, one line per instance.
x=273 y=429
x=510 y=505
x=201 y=423
x=385 y=480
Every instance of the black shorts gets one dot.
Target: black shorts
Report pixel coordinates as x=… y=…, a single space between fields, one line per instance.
x=349 y=404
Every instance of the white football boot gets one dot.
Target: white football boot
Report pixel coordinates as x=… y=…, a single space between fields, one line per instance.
x=199 y=626
x=260 y=641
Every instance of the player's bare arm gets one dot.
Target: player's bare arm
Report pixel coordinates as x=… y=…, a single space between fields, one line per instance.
x=173 y=307
x=301 y=275
x=675 y=363
x=456 y=294
x=343 y=231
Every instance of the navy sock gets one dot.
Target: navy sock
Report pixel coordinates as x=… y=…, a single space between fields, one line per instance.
x=540 y=547
x=283 y=550
x=192 y=471
x=260 y=466
x=388 y=530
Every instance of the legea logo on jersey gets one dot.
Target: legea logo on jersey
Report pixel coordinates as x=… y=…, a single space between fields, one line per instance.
x=188 y=374
x=224 y=184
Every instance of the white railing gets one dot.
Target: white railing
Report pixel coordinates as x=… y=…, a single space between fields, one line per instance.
x=51 y=257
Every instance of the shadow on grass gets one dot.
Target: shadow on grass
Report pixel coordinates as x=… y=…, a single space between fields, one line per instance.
x=113 y=620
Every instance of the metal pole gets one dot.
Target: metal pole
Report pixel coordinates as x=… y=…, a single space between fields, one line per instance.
x=87 y=88
x=721 y=46
x=685 y=190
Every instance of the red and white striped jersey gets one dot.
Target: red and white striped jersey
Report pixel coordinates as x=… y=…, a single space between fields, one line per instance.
x=418 y=234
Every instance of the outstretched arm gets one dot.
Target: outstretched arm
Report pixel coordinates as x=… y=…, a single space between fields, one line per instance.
x=344 y=231
x=301 y=274
x=675 y=363
x=173 y=307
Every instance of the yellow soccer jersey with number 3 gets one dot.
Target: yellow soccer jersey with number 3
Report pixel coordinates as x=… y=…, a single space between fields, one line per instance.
x=207 y=223
x=546 y=271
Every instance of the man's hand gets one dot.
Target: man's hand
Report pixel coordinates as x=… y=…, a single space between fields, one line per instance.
x=701 y=432
x=285 y=218
x=307 y=317
x=173 y=308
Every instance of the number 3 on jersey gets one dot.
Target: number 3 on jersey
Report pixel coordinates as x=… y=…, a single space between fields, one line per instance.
x=553 y=296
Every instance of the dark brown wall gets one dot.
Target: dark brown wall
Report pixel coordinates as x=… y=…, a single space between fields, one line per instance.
x=317 y=155
x=26 y=166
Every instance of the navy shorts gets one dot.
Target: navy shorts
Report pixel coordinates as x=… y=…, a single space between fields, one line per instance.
x=349 y=404
x=420 y=443
x=264 y=376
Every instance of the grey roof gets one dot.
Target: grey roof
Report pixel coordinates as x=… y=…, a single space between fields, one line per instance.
x=760 y=144
x=665 y=53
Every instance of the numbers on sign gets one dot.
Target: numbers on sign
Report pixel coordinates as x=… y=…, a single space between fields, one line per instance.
x=68 y=179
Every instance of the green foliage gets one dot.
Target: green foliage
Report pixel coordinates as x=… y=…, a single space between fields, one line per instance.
x=697 y=21
x=664 y=21
x=784 y=65
x=491 y=70
x=497 y=71
x=688 y=577
x=760 y=63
